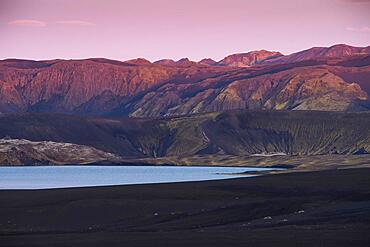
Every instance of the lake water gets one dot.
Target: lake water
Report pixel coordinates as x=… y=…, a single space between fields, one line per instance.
x=42 y=177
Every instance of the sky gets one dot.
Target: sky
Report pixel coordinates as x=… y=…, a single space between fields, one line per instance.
x=156 y=29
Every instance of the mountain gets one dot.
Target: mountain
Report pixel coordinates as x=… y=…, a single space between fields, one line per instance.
x=336 y=51
x=138 y=61
x=139 y=88
x=248 y=59
x=183 y=62
x=166 y=62
x=91 y=86
x=313 y=88
x=235 y=133
x=207 y=61
x=25 y=152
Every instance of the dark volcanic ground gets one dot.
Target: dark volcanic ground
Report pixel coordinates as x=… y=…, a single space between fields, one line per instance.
x=326 y=208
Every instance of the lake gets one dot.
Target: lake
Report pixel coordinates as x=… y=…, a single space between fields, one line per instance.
x=43 y=177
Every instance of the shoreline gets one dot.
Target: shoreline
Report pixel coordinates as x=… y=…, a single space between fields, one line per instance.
x=144 y=164
x=289 y=162
x=212 y=176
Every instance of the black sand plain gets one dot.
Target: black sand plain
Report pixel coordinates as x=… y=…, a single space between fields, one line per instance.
x=323 y=208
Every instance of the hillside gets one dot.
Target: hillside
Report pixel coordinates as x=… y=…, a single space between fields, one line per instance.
x=237 y=133
x=327 y=79
x=314 y=53
x=25 y=152
x=248 y=59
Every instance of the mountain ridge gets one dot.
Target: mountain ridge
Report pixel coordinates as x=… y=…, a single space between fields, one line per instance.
x=236 y=132
x=139 y=88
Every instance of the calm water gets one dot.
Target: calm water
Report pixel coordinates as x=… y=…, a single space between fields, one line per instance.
x=43 y=177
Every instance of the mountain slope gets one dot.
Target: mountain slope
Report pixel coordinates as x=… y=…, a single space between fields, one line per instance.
x=207 y=61
x=313 y=88
x=140 y=88
x=248 y=59
x=335 y=51
x=25 y=152
x=91 y=86
x=231 y=133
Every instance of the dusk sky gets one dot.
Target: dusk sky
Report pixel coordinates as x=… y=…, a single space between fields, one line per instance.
x=120 y=29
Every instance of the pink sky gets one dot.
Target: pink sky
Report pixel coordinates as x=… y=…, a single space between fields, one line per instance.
x=154 y=29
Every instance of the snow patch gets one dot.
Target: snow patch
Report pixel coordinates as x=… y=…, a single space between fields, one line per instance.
x=269 y=154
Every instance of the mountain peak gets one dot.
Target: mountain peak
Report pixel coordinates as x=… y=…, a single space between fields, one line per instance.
x=316 y=53
x=181 y=62
x=185 y=62
x=207 y=61
x=166 y=62
x=138 y=61
x=249 y=58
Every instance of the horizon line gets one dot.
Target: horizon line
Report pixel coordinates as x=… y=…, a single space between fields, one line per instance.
x=174 y=59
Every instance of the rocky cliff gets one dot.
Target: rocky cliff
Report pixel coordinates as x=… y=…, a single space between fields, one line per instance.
x=330 y=79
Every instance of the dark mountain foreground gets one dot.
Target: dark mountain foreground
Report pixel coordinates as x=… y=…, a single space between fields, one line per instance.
x=204 y=139
x=325 y=208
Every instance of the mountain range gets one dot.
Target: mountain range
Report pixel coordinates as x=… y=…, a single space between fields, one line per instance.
x=43 y=138
x=333 y=78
